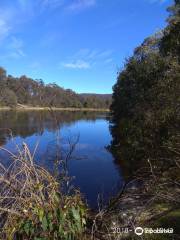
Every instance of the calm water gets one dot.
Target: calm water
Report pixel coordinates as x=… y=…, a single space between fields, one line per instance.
x=91 y=164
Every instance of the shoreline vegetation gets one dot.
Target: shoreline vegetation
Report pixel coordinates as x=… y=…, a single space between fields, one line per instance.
x=35 y=205
x=145 y=133
x=30 y=108
x=26 y=92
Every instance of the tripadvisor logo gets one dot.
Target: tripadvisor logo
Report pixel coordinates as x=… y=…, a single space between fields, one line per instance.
x=139 y=231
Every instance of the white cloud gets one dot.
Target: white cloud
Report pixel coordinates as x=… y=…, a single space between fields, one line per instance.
x=4 y=29
x=11 y=47
x=16 y=43
x=52 y=3
x=10 y=18
x=70 y=6
x=106 y=53
x=17 y=54
x=88 y=54
x=78 y=5
x=15 y=48
x=6 y=16
x=109 y=60
x=157 y=1
x=86 y=59
x=78 y=64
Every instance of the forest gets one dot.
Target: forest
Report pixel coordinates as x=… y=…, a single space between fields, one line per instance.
x=145 y=127
x=36 y=93
x=146 y=99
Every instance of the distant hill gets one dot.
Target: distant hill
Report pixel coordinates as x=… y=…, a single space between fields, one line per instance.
x=105 y=96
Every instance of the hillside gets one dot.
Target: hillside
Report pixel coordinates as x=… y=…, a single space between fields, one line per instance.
x=36 y=93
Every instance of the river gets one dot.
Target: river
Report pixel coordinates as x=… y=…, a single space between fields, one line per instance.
x=91 y=165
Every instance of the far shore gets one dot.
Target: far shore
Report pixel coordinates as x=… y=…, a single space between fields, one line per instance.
x=30 y=108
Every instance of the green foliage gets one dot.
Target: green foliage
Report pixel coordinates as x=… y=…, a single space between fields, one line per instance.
x=31 y=92
x=170 y=42
x=146 y=97
x=8 y=98
x=35 y=205
x=145 y=123
x=58 y=222
x=96 y=100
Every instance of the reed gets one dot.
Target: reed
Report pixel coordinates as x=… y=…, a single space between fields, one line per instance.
x=33 y=205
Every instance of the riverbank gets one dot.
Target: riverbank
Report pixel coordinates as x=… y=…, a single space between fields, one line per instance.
x=31 y=108
x=135 y=206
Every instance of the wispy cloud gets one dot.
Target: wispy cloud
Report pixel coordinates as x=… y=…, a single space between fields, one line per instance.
x=53 y=4
x=67 y=6
x=86 y=59
x=78 y=5
x=4 y=29
x=14 y=49
x=157 y=1
x=5 y=23
x=108 y=60
x=16 y=46
x=25 y=10
x=88 y=54
x=78 y=64
x=11 y=16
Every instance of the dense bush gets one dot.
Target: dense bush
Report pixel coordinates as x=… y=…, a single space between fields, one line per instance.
x=146 y=97
x=8 y=98
x=145 y=128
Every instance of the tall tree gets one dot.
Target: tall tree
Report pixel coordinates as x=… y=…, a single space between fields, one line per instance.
x=146 y=99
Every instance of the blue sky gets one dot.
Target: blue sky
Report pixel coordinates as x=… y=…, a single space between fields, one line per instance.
x=79 y=44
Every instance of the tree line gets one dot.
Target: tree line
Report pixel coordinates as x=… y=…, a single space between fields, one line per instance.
x=146 y=97
x=26 y=91
x=145 y=117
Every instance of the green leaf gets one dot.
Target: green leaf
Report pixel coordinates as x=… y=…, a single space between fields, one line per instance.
x=60 y=230
x=59 y=215
x=79 y=226
x=41 y=214
x=27 y=227
x=50 y=222
x=44 y=223
x=76 y=214
x=57 y=197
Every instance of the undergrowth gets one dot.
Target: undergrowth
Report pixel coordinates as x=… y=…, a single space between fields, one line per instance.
x=33 y=205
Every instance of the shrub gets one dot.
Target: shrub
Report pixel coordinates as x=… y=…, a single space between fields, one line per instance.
x=32 y=203
x=8 y=98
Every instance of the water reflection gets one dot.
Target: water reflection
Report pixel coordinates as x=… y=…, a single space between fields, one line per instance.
x=91 y=163
x=27 y=123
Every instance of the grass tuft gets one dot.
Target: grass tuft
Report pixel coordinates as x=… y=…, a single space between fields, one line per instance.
x=33 y=205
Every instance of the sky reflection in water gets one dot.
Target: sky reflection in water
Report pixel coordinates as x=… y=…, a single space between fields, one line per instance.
x=92 y=165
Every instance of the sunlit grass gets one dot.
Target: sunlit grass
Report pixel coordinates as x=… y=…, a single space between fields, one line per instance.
x=33 y=205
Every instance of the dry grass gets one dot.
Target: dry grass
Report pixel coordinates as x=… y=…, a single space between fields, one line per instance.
x=32 y=205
